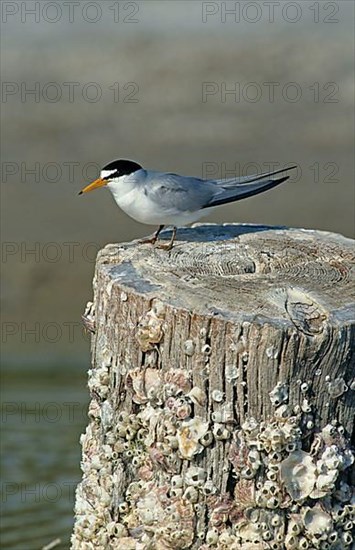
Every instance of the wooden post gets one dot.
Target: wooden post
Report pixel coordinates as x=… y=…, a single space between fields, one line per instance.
x=223 y=393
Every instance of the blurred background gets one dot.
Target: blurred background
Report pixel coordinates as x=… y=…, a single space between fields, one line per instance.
x=210 y=89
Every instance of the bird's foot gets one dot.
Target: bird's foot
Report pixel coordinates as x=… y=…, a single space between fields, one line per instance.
x=153 y=239
x=165 y=246
x=169 y=245
x=148 y=240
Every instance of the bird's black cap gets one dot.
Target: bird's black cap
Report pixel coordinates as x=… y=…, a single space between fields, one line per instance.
x=121 y=168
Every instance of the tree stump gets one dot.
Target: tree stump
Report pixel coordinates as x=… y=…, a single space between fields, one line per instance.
x=223 y=393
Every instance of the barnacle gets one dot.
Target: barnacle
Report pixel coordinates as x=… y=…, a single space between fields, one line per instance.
x=197 y=396
x=150 y=330
x=337 y=387
x=279 y=394
x=195 y=476
x=188 y=435
x=189 y=347
x=217 y=396
x=316 y=521
x=146 y=384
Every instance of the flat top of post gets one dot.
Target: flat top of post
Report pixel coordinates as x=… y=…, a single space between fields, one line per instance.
x=240 y=271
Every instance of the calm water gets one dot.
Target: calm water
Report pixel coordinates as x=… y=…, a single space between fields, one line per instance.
x=43 y=415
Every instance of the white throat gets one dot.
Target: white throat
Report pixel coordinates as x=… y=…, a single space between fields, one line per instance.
x=124 y=187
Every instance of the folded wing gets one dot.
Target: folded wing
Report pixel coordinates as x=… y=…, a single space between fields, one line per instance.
x=234 y=189
x=175 y=194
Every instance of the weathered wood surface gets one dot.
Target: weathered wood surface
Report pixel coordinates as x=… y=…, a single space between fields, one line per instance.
x=237 y=329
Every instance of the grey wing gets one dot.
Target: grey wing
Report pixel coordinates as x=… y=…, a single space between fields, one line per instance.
x=177 y=193
x=233 y=189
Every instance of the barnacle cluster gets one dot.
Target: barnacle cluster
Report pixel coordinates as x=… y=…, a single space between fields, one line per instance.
x=146 y=485
x=286 y=497
x=133 y=494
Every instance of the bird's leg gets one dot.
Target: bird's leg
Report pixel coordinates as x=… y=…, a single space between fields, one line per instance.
x=153 y=239
x=169 y=245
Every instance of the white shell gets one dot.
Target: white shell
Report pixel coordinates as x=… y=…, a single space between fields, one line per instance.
x=298 y=474
x=279 y=394
x=197 y=396
x=217 y=396
x=212 y=536
x=188 y=436
x=337 y=387
x=177 y=481
x=189 y=347
x=191 y=494
x=316 y=521
x=195 y=476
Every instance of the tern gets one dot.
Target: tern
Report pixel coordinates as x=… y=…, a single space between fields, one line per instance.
x=162 y=198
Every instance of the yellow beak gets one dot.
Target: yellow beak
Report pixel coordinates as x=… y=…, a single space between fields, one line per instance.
x=94 y=185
